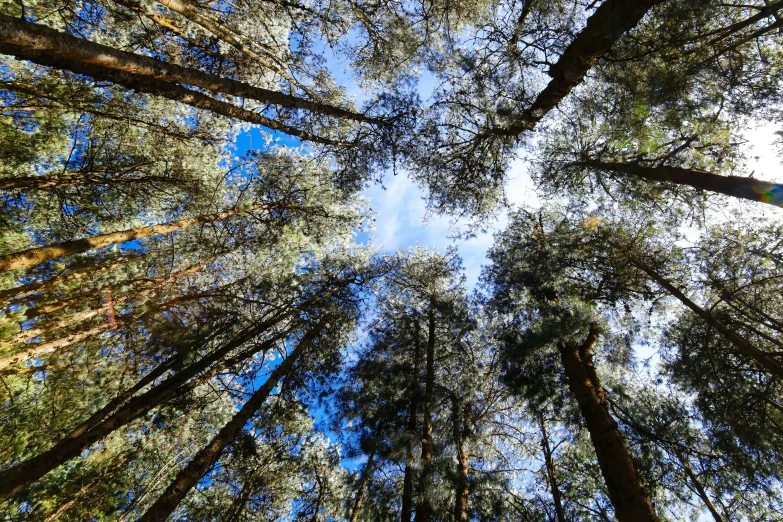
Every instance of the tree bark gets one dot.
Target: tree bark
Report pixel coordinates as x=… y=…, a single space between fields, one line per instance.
x=206 y=458
x=608 y=23
x=35 y=256
x=626 y=491
x=58 y=45
x=359 y=500
x=164 y=89
x=734 y=186
x=549 y=462
x=461 y=433
x=424 y=511
x=408 y=479
x=49 y=347
x=766 y=361
x=18 y=292
x=127 y=408
x=72 y=179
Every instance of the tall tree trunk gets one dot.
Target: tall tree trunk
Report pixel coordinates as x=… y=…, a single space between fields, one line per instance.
x=699 y=487
x=47 y=285
x=424 y=512
x=206 y=458
x=34 y=37
x=626 y=491
x=608 y=23
x=126 y=408
x=35 y=256
x=734 y=186
x=359 y=500
x=461 y=434
x=72 y=179
x=48 y=347
x=557 y=496
x=765 y=360
x=410 y=468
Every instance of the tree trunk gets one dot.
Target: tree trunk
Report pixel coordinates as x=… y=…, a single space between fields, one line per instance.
x=424 y=512
x=765 y=360
x=206 y=458
x=49 y=347
x=626 y=491
x=35 y=256
x=699 y=487
x=608 y=23
x=366 y=474
x=34 y=37
x=409 y=478
x=72 y=179
x=461 y=433
x=107 y=420
x=164 y=89
x=46 y=285
x=734 y=186
x=550 y=470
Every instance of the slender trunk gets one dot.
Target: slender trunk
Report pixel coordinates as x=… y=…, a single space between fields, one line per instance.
x=46 y=285
x=424 y=512
x=359 y=500
x=35 y=256
x=46 y=348
x=461 y=433
x=608 y=23
x=72 y=179
x=164 y=89
x=34 y=37
x=734 y=186
x=127 y=408
x=626 y=491
x=699 y=487
x=557 y=496
x=206 y=458
x=407 y=484
x=765 y=360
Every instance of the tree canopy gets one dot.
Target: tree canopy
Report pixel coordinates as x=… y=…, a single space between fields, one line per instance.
x=195 y=324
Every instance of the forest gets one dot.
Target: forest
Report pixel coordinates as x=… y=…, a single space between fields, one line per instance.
x=197 y=323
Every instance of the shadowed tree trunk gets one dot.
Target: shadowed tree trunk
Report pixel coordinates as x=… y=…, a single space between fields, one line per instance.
x=35 y=256
x=72 y=179
x=765 y=360
x=557 y=496
x=34 y=37
x=359 y=500
x=626 y=491
x=608 y=23
x=699 y=487
x=461 y=434
x=408 y=479
x=734 y=186
x=206 y=458
x=110 y=418
x=424 y=512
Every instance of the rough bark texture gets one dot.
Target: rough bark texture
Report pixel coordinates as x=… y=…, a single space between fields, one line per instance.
x=359 y=500
x=206 y=458
x=34 y=37
x=72 y=179
x=557 y=496
x=408 y=479
x=35 y=256
x=609 y=22
x=765 y=360
x=734 y=186
x=626 y=491
x=50 y=347
x=424 y=511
